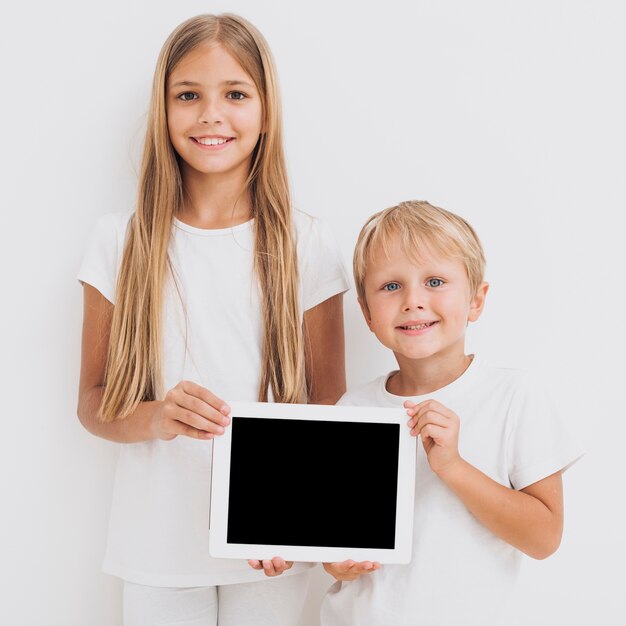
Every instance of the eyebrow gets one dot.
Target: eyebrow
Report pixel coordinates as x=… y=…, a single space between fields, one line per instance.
x=229 y=83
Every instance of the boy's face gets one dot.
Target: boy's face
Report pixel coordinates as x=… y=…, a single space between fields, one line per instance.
x=419 y=310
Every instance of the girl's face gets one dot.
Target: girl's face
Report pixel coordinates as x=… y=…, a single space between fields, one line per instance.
x=214 y=113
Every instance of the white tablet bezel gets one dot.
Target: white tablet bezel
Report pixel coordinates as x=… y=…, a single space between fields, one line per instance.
x=401 y=553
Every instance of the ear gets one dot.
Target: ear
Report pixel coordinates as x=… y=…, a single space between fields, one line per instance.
x=366 y=313
x=477 y=304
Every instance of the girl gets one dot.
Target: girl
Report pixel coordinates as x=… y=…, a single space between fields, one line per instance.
x=213 y=283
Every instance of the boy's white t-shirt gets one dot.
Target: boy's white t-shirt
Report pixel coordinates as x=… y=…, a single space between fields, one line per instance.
x=158 y=531
x=460 y=572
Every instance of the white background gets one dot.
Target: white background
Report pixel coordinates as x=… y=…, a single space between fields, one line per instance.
x=509 y=113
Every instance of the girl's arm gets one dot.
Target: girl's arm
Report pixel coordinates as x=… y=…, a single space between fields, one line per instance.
x=324 y=351
x=187 y=409
x=530 y=519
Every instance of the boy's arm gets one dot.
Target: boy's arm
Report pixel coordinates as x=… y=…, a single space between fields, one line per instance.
x=530 y=520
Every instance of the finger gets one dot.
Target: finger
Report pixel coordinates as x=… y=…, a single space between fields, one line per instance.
x=366 y=567
x=174 y=427
x=433 y=405
x=362 y=567
x=345 y=566
x=195 y=421
x=418 y=412
x=434 y=432
x=255 y=564
x=338 y=568
x=268 y=567
x=331 y=568
x=430 y=404
x=280 y=565
x=431 y=417
x=206 y=396
x=202 y=409
x=418 y=422
x=413 y=407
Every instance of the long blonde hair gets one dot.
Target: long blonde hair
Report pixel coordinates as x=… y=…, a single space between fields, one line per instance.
x=134 y=363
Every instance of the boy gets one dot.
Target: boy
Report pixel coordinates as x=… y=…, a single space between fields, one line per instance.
x=488 y=478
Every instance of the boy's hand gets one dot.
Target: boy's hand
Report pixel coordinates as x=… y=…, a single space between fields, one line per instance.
x=273 y=567
x=438 y=427
x=350 y=570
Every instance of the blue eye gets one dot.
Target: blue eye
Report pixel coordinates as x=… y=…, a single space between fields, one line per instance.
x=434 y=282
x=236 y=95
x=391 y=287
x=187 y=96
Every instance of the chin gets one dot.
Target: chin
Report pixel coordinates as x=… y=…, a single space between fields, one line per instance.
x=415 y=354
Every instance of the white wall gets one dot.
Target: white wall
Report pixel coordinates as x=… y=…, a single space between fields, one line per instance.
x=509 y=113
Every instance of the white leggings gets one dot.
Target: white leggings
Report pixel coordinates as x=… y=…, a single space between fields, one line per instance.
x=276 y=602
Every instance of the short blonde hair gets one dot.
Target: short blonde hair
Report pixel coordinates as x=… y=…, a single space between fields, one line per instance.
x=422 y=229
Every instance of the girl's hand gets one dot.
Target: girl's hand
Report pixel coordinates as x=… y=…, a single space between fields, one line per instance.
x=191 y=410
x=273 y=567
x=439 y=428
x=351 y=570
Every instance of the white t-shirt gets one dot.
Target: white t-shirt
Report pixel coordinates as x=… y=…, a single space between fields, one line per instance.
x=158 y=532
x=460 y=573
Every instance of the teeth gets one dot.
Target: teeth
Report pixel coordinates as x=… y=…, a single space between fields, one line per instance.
x=211 y=141
x=419 y=327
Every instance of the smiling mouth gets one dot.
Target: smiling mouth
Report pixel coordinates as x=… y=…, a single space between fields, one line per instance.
x=418 y=326
x=212 y=141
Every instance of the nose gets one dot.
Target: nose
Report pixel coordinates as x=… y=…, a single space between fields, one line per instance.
x=413 y=300
x=210 y=113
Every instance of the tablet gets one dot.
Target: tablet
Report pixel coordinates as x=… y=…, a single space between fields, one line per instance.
x=313 y=483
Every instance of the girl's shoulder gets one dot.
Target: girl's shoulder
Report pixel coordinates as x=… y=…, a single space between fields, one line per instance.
x=109 y=232
x=312 y=232
x=320 y=260
x=304 y=222
x=114 y=224
x=103 y=252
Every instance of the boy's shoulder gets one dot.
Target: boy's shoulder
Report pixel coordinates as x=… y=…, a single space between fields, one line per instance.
x=505 y=375
x=485 y=379
x=479 y=379
x=370 y=394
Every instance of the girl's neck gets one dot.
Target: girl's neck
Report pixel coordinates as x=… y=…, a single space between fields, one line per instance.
x=417 y=377
x=214 y=201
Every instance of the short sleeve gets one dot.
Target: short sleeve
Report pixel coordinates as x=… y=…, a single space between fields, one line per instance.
x=103 y=254
x=540 y=442
x=322 y=270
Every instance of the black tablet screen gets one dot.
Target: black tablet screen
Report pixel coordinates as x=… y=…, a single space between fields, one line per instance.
x=305 y=482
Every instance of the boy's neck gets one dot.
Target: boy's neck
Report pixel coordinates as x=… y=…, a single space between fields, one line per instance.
x=214 y=201
x=417 y=377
